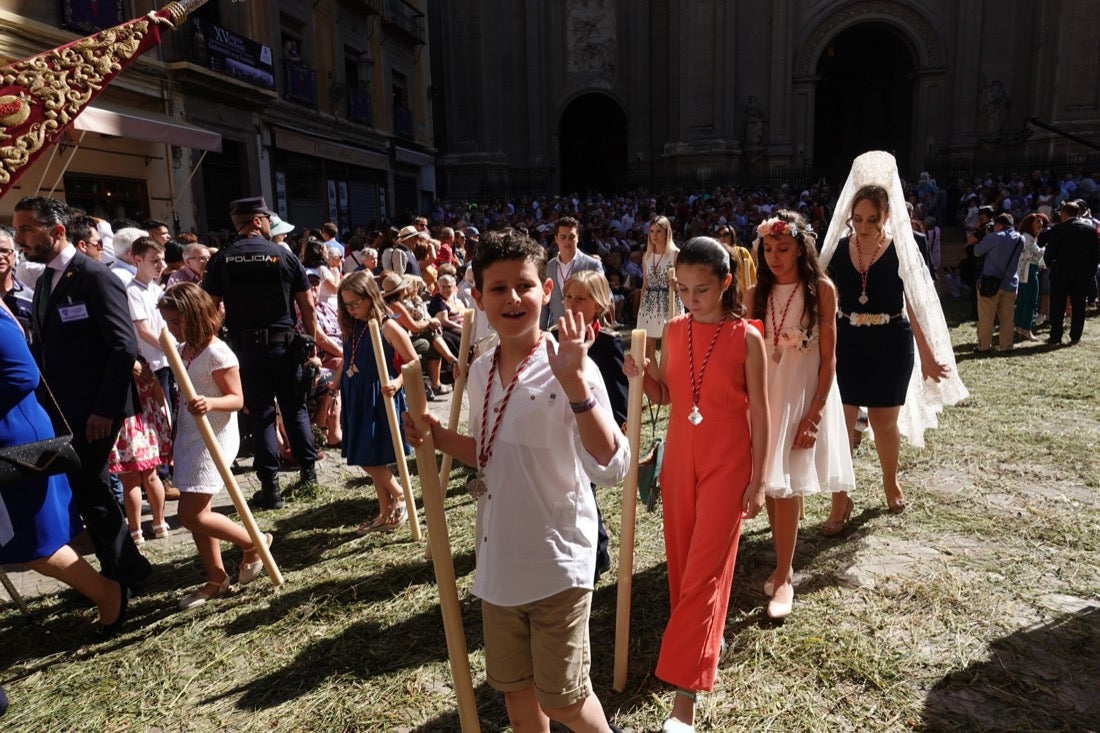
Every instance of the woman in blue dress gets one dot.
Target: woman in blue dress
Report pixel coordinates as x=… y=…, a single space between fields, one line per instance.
x=367 y=439
x=38 y=516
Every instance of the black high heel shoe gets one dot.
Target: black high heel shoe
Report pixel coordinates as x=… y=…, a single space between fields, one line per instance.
x=113 y=629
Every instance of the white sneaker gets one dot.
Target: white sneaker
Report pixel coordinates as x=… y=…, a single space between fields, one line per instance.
x=672 y=725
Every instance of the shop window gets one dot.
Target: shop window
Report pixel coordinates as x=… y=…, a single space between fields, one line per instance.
x=107 y=197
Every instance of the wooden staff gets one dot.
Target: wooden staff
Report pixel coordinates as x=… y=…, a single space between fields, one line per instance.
x=671 y=293
x=456 y=395
x=432 y=491
x=259 y=542
x=395 y=428
x=630 y=504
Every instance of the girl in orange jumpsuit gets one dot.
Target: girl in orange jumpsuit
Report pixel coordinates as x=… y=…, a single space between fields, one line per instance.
x=713 y=372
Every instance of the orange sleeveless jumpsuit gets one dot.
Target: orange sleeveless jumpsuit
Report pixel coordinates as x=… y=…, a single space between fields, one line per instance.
x=705 y=472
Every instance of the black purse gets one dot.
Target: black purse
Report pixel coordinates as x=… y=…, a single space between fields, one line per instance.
x=28 y=461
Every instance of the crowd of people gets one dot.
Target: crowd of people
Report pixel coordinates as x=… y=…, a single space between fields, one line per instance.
x=768 y=352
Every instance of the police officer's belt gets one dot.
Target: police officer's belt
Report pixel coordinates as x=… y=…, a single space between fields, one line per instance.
x=261 y=336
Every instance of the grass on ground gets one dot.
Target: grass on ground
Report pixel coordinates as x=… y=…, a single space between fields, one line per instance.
x=978 y=609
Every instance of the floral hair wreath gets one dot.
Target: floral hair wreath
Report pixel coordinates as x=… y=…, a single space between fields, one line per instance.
x=776 y=227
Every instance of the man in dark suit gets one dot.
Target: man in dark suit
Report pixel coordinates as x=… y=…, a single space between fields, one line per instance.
x=85 y=346
x=1072 y=253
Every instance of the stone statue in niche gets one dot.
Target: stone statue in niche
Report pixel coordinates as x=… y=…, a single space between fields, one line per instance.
x=591 y=36
x=756 y=124
x=993 y=104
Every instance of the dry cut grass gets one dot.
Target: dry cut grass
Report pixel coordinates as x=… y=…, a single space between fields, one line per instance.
x=976 y=610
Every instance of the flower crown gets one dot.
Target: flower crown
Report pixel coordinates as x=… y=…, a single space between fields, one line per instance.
x=776 y=226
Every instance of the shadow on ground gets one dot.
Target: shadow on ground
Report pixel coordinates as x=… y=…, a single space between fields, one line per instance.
x=1042 y=678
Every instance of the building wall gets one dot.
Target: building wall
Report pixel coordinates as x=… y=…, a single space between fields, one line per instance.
x=686 y=71
x=347 y=146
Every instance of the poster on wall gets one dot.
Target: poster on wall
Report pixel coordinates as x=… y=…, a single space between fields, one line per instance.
x=226 y=52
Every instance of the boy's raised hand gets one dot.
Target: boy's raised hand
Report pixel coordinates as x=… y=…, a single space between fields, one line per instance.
x=574 y=339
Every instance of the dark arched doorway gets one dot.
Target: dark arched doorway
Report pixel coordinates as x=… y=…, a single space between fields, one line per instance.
x=864 y=98
x=592 y=139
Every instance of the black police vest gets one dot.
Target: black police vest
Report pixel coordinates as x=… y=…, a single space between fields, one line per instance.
x=256 y=281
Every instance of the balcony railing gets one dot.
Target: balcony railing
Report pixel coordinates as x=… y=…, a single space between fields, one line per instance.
x=301 y=84
x=402 y=122
x=359 y=106
x=406 y=19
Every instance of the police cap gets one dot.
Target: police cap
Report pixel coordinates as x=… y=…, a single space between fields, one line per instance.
x=249 y=207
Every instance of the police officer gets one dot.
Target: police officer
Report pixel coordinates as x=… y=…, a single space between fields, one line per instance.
x=256 y=279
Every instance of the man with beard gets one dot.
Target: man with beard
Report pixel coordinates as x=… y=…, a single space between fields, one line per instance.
x=85 y=347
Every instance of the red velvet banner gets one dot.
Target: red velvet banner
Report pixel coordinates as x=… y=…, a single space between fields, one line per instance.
x=41 y=96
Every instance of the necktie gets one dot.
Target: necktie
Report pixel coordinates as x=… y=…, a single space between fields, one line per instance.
x=46 y=286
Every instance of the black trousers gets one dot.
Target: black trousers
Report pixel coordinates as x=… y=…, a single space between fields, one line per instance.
x=1075 y=288
x=117 y=554
x=269 y=375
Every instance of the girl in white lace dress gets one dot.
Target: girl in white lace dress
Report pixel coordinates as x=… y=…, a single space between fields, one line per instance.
x=809 y=450
x=193 y=319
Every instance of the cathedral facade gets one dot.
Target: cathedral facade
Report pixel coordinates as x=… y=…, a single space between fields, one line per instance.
x=563 y=95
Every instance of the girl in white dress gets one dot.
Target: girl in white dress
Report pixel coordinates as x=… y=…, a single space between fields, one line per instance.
x=193 y=319
x=653 y=311
x=797 y=304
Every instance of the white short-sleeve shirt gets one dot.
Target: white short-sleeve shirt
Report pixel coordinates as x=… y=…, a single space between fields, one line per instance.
x=143 y=299
x=536 y=524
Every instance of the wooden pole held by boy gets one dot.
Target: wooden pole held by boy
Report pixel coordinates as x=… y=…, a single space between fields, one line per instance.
x=187 y=390
x=432 y=491
x=459 y=389
x=395 y=430
x=456 y=402
x=630 y=503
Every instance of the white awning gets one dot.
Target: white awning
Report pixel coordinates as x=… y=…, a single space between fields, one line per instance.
x=147 y=127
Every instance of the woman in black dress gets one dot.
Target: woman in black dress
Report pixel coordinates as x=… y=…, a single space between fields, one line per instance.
x=878 y=336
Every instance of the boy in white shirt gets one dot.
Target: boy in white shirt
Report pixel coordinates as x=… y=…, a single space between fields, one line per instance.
x=541 y=429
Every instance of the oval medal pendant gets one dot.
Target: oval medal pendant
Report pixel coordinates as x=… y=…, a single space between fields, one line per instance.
x=476 y=486
x=777 y=354
x=695 y=417
x=863 y=298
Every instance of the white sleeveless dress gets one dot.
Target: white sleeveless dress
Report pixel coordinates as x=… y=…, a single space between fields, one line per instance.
x=792 y=381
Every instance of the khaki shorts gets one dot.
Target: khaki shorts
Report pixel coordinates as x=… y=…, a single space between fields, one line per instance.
x=542 y=644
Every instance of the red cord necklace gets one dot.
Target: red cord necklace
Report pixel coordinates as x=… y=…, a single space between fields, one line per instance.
x=696 y=417
x=777 y=330
x=352 y=369
x=477 y=486
x=863 y=272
